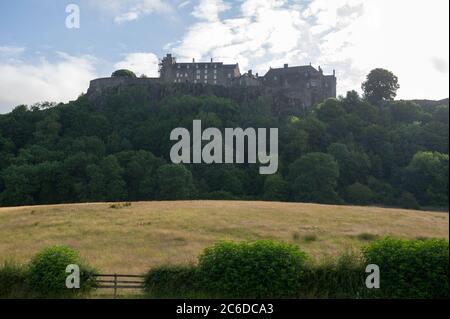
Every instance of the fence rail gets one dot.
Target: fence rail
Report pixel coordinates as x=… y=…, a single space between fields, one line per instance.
x=118 y=281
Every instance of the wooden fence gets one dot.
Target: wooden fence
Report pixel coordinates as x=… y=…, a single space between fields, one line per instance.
x=116 y=281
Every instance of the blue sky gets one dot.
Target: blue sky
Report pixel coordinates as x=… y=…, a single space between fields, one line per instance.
x=41 y=59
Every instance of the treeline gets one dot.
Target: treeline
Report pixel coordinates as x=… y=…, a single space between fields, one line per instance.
x=344 y=150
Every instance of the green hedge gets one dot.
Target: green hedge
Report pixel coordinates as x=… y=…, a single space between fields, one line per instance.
x=13 y=279
x=47 y=272
x=410 y=268
x=267 y=269
x=172 y=282
x=340 y=277
x=263 y=269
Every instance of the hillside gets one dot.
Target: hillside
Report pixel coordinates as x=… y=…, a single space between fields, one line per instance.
x=117 y=146
x=133 y=239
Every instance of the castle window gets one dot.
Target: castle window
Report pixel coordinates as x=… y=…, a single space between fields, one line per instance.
x=188 y=66
x=179 y=66
x=215 y=71
x=215 y=77
x=196 y=66
x=275 y=78
x=198 y=71
x=215 y=66
x=186 y=75
x=198 y=77
x=206 y=66
x=206 y=82
x=313 y=83
x=206 y=77
x=215 y=82
x=229 y=75
x=206 y=71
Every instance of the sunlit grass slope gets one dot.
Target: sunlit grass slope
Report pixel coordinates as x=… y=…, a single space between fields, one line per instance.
x=133 y=239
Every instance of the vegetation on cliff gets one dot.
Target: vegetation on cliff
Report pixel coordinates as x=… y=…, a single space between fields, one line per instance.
x=117 y=147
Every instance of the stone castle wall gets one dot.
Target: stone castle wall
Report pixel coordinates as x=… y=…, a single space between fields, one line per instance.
x=302 y=86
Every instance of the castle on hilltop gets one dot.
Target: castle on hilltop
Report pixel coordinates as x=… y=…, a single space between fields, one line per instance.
x=301 y=83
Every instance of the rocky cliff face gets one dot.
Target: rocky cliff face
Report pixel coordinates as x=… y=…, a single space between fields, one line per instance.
x=281 y=102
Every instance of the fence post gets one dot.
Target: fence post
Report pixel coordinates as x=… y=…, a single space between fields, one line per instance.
x=115 y=286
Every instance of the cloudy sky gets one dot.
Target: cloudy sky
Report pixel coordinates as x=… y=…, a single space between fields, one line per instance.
x=43 y=60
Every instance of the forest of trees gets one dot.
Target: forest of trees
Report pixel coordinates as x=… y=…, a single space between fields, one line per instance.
x=345 y=150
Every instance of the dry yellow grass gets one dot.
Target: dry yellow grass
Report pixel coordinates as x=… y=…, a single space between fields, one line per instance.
x=133 y=239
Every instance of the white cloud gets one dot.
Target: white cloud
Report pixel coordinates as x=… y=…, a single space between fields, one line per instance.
x=209 y=10
x=265 y=30
x=184 y=4
x=353 y=36
x=140 y=63
x=130 y=10
x=6 y=51
x=60 y=81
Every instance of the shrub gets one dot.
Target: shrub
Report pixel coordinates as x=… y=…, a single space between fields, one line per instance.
x=360 y=194
x=263 y=269
x=220 y=195
x=124 y=73
x=310 y=238
x=275 y=188
x=367 y=236
x=172 y=281
x=343 y=277
x=120 y=205
x=408 y=201
x=410 y=268
x=13 y=280
x=47 y=272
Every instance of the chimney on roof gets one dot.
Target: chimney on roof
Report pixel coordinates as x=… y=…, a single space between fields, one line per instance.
x=250 y=72
x=211 y=60
x=334 y=72
x=286 y=66
x=193 y=60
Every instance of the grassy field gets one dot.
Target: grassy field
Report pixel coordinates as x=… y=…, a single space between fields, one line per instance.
x=133 y=239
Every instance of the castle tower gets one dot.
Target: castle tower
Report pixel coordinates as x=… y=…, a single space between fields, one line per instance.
x=166 y=66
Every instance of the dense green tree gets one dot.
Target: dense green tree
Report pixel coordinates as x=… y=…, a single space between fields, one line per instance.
x=123 y=73
x=359 y=194
x=113 y=173
x=426 y=177
x=175 y=182
x=226 y=178
x=354 y=166
x=140 y=173
x=380 y=85
x=314 y=178
x=116 y=147
x=318 y=137
x=408 y=201
x=276 y=188
x=405 y=111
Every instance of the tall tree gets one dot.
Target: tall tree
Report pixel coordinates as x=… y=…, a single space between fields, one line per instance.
x=380 y=85
x=314 y=178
